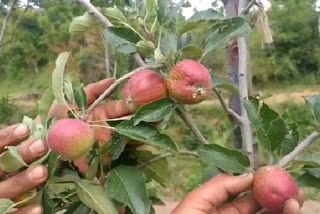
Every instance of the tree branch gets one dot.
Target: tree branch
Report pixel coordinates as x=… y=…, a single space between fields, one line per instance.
x=162 y=156
x=299 y=149
x=6 y=19
x=111 y=89
x=247 y=9
x=229 y=111
x=192 y=126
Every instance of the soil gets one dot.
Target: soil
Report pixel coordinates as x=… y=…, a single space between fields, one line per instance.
x=309 y=207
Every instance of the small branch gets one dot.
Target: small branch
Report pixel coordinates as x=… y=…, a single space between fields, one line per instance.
x=137 y=58
x=93 y=10
x=162 y=156
x=192 y=126
x=229 y=111
x=110 y=90
x=6 y=20
x=299 y=149
x=247 y=9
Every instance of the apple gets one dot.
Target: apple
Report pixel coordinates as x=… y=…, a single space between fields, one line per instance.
x=71 y=138
x=272 y=186
x=143 y=87
x=189 y=82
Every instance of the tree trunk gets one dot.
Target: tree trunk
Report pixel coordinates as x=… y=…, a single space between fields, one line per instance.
x=6 y=20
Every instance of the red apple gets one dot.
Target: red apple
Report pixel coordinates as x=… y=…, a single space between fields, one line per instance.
x=70 y=138
x=272 y=186
x=189 y=82
x=144 y=87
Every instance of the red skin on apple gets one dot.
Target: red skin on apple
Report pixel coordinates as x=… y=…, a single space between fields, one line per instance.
x=143 y=87
x=272 y=186
x=189 y=82
x=71 y=138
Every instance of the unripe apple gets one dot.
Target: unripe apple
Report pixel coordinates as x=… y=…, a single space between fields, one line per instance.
x=272 y=186
x=144 y=87
x=71 y=138
x=189 y=82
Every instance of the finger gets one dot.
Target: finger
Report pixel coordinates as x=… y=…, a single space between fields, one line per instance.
x=30 y=151
x=94 y=90
x=116 y=109
x=215 y=192
x=30 y=209
x=23 y=182
x=243 y=205
x=13 y=135
x=291 y=206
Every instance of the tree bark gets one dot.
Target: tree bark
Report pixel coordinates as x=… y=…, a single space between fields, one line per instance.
x=6 y=20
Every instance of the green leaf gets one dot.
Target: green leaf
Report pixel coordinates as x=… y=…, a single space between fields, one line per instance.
x=166 y=11
x=127 y=185
x=220 y=34
x=291 y=139
x=53 y=163
x=114 y=15
x=118 y=143
x=169 y=43
x=310 y=160
x=313 y=171
x=209 y=14
x=308 y=181
x=252 y=112
x=95 y=198
x=11 y=160
x=83 y=24
x=118 y=42
x=80 y=97
x=93 y=168
x=220 y=83
x=155 y=111
x=314 y=104
x=6 y=205
x=30 y=123
x=157 y=171
x=58 y=77
x=78 y=208
x=231 y=161
x=145 y=133
x=68 y=89
x=191 y=52
x=45 y=105
x=47 y=203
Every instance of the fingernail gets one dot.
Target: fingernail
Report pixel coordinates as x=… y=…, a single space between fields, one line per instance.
x=245 y=175
x=37 y=173
x=37 y=147
x=35 y=210
x=21 y=130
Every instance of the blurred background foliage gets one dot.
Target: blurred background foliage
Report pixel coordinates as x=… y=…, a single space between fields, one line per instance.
x=38 y=32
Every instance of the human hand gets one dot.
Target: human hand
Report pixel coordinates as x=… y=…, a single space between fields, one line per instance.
x=213 y=197
x=30 y=150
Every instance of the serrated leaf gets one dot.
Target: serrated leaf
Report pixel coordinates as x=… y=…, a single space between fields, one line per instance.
x=45 y=105
x=310 y=160
x=47 y=203
x=83 y=24
x=114 y=15
x=157 y=171
x=127 y=185
x=209 y=14
x=145 y=133
x=11 y=160
x=291 y=139
x=118 y=143
x=169 y=43
x=68 y=89
x=78 y=208
x=58 y=77
x=191 y=52
x=6 y=205
x=252 y=112
x=94 y=197
x=220 y=34
x=314 y=104
x=313 y=171
x=166 y=11
x=155 y=111
x=80 y=97
x=119 y=43
x=231 y=161
x=53 y=163
x=308 y=181
x=30 y=123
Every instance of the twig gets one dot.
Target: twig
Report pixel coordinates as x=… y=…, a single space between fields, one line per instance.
x=162 y=156
x=110 y=90
x=247 y=9
x=299 y=149
x=192 y=126
x=137 y=58
x=93 y=10
x=230 y=112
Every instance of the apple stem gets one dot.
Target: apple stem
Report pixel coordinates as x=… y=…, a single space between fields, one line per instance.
x=299 y=149
x=102 y=126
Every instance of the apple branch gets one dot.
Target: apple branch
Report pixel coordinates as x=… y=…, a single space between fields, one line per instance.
x=229 y=111
x=247 y=9
x=136 y=56
x=299 y=149
x=162 y=156
x=192 y=126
